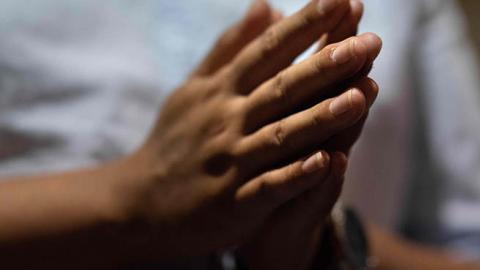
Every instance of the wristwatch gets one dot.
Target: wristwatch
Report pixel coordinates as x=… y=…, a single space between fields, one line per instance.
x=345 y=243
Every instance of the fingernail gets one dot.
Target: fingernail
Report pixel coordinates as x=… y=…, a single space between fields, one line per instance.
x=315 y=163
x=342 y=104
x=325 y=6
x=343 y=53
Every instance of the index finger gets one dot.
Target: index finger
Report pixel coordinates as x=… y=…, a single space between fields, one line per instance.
x=278 y=47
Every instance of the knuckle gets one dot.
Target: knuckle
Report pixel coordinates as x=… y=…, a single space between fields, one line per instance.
x=264 y=191
x=208 y=89
x=279 y=136
x=227 y=78
x=280 y=89
x=317 y=116
x=270 y=41
x=318 y=62
x=239 y=149
x=239 y=116
x=306 y=20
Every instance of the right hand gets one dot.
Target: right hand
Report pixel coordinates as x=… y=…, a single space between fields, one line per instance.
x=225 y=152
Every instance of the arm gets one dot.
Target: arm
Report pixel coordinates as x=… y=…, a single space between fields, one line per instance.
x=64 y=221
x=396 y=253
x=217 y=164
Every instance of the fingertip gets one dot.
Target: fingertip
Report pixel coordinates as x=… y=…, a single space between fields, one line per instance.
x=323 y=159
x=357 y=9
x=316 y=162
x=259 y=10
x=276 y=15
x=374 y=87
x=359 y=48
x=369 y=88
x=339 y=164
x=374 y=38
x=357 y=100
x=373 y=43
x=326 y=7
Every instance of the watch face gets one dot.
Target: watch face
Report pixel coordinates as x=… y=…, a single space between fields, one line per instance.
x=357 y=240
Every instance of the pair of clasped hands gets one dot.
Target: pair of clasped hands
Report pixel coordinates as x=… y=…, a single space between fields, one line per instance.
x=252 y=150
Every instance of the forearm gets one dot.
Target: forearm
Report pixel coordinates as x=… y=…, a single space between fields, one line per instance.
x=395 y=253
x=67 y=221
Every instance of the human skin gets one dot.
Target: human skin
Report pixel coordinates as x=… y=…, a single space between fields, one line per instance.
x=396 y=253
x=231 y=146
x=291 y=237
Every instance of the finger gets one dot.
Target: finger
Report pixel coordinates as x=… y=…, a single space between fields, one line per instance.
x=369 y=88
x=345 y=140
x=318 y=202
x=308 y=80
x=256 y=21
x=268 y=191
x=276 y=49
x=294 y=135
x=373 y=53
x=277 y=16
x=347 y=28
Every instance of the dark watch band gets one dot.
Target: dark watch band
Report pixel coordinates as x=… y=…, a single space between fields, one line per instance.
x=240 y=265
x=344 y=244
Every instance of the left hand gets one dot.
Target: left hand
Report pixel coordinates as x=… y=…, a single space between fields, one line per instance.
x=291 y=237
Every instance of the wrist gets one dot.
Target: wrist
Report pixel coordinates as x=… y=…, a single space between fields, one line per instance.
x=85 y=215
x=133 y=181
x=345 y=244
x=125 y=178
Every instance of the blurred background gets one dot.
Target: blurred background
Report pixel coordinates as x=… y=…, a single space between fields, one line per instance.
x=81 y=82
